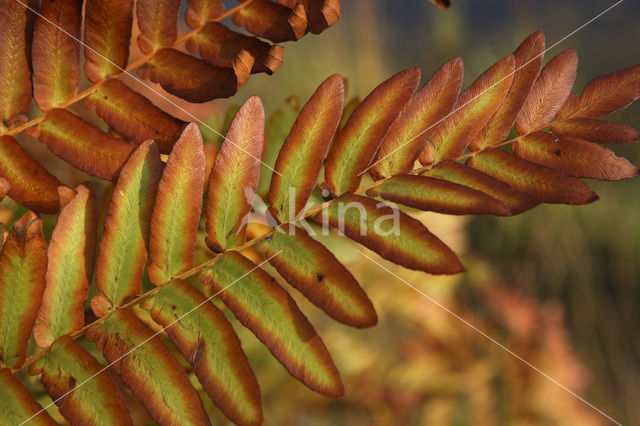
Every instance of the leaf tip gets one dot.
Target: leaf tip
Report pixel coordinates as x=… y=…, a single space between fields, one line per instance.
x=242 y=65
x=298 y=21
x=65 y=194
x=101 y=306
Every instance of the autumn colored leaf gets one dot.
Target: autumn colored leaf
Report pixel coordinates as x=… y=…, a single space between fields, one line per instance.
x=193 y=79
x=409 y=134
x=30 y=184
x=149 y=369
x=472 y=111
x=528 y=63
x=158 y=24
x=348 y=109
x=321 y=14
x=123 y=249
x=133 y=115
x=314 y=271
x=567 y=109
x=56 y=52
x=266 y=309
x=301 y=156
x=606 y=94
x=391 y=233
x=207 y=341
x=545 y=184
x=82 y=389
x=575 y=157
x=596 y=130
x=107 y=31
x=82 y=144
x=17 y=403
x=23 y=263
x=272 y=21
x=220 y=46
x=437 y=195
x=234 y=178
x=549 y=92
x=70 y=257
x=357 y=143
x=15 y=74
x=451 y=171
x=4 y=188
x=177 y=208
x=276 y=130
x=201 y=11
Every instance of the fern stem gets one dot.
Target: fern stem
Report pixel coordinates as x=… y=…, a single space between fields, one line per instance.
x=130 y=67
x=196 y=269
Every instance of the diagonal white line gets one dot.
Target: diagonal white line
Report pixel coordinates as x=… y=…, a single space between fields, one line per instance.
x=146 y=340
x=485 y=335
x=495 y=84
x=124 y=71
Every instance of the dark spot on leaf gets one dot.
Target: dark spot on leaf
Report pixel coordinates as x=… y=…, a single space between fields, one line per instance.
x=320 y=277
x=557 y=152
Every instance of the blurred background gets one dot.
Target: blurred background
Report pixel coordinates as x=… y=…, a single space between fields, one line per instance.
x=558 y=285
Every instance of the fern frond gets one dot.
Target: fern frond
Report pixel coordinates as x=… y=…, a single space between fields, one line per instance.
x=454 y=172
x=473 y=109
x=234 y=178
x=605 y=132
x=206 y=339
x=265 y=308
x=412 y=245
x=219 y=46
x=107 y=30
x=158 y=23
x=549 y=92
x=98 y=399
x=193 y=79
x=23 y=263
x=155 y=208
x=528 y=63
x=152 y=373
x=15 y=75
x=28 y=182
x=436 y=195
x=201 y=11
x=359 y=139
x=300 y=158
x=604 y=95
x=545 y=184
x=18 y=404
x=70 y=260
x=273 y=21
x=314 y=271
x=409 y=134
x=177 y=208
x=122 y=254
x=56 y=63
x=82 y=144
x=133 y=115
